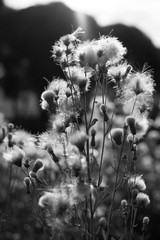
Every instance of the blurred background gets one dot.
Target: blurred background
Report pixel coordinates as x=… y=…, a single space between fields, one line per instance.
x=29 y=28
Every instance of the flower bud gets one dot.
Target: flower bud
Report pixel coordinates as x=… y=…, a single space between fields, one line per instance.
x=93 y=133
x=124 y=203
x=38 y=165
x=34 y=176
x=103 y=223
x=27 y=183
x=103 y=109
x=10 y=143
x=51 y=152
x=132 y=124
x=10 y=127
x=145 y=220
x=26 y=163
x=145 y=224
x=117 y=135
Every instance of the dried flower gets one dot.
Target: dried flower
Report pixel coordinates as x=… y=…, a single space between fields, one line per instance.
x=142 y=198
x=136 y=181
x=111 y=48
x=14 y=156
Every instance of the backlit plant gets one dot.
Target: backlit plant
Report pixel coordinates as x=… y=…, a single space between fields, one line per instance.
x=81 y=174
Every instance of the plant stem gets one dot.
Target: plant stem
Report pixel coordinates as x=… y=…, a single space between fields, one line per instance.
x=115 y=188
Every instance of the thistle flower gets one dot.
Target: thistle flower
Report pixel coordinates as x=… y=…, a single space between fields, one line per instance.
x=63 y=49
x=14 y=156
x=86 y=55
x=22 y=138
x=117 y=135
x=142 y=198
x=139 y=86
x=111 y=48
x=78 y=76
x=119 y=72
x=136 y=181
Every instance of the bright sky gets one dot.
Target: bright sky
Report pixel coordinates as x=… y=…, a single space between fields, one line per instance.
x=144 y=14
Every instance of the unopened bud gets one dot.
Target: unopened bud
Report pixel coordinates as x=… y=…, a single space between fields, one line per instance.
x=34 y=176
x=93 y=133
x=10 y=127
x=145 y=220
x=124 y=203
x=145 y=224
x=132 y=124
x=27 y=183
x=10 y=143
x=117 y=135
x=26 y=163
x=102 y=222
x=103 y=109
x=38 y=165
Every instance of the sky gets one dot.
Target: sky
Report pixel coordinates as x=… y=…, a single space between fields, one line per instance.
x=143 y=14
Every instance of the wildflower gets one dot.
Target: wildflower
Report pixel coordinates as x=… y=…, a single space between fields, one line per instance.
x=136 y=181
x=14 y=156
x=86 y=55
x=77 y=76
x=142 y=125
x=138 y=86
x=63 y=49
x=142 y=198
x=119 y=72
x=22 y=138
x=117 y=135
x=111 y=48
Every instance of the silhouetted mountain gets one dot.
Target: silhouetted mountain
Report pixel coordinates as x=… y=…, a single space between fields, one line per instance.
x=27 y=36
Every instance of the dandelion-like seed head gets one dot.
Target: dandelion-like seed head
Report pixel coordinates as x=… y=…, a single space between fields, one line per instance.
x=78 y=76
x=14 y=156
x=142 y=199
x=86 y=55
x=139 y=87
x=136 y=181
x=22 y=138
x=118 y=72
x=111 y=49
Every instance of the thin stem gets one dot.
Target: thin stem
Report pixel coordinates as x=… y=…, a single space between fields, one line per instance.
x=93 y=104
x=115 y=188
x=134 y=104
x=102 y=152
